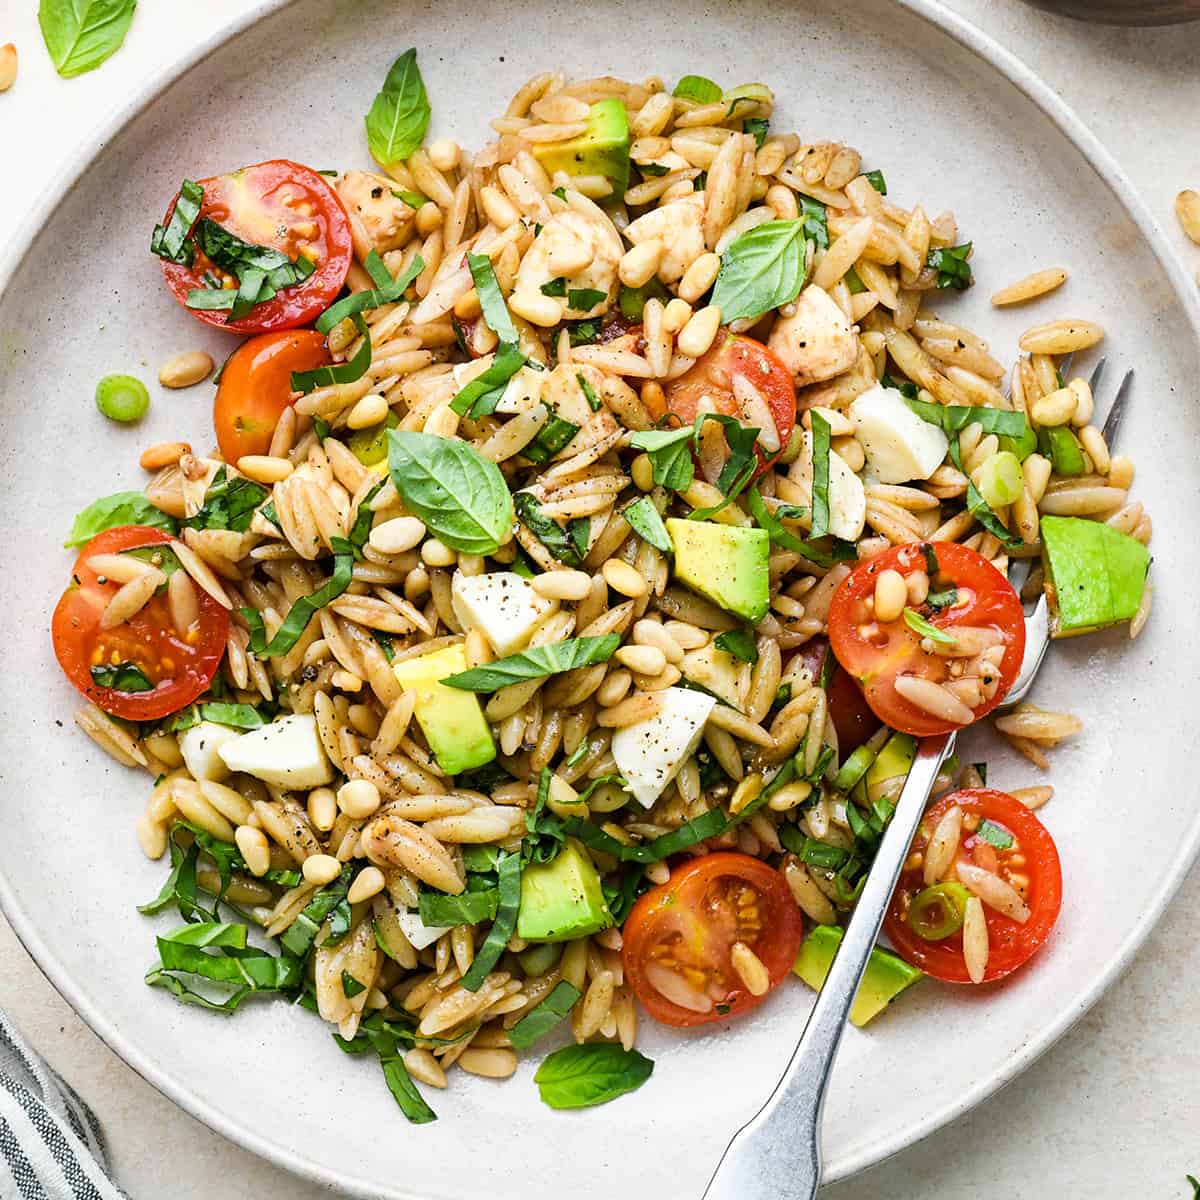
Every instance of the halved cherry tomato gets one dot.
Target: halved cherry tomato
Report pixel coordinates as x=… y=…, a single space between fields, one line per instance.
x=179 y=665
x=288 y=207
x=1030 y=864
x=740 y=378
x=984 y=609
x=679 y=936
x=256 y=386
x=852 y=715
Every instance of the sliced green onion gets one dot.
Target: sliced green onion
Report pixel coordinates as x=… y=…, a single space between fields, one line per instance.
x=938 y=911
x=122 y=398
x=853 y=769
x=999 y=479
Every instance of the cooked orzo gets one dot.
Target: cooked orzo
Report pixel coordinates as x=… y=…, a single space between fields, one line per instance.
x=596 y=520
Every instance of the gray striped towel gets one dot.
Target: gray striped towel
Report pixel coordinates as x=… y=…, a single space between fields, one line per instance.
x=51 y=1147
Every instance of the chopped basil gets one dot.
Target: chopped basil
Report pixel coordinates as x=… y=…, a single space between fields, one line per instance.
x=81 y=35
x=385 y=1038
x=302 y=932
x=697 y=88
x=816 y=226
x=738 y=642
x=123 y=677
x=556 y=288
x=469 y=908
x=820 y=475
x=170 y=241
x=480 y=397
x=229 y=503
x=553 y=659
x=594 y=1073
x=761 y=270
x=585 y=299
x=931 y=560
x=385 y=644
x=351 y=987
x=741 y=465
x=542 y=1018
x=390 y=291
x=508 y=871
x=581 y=333
x=877 y=181
x=588 y=394
x=955 y=417
x=553 y=437
x=772 y=522
x=953 y=270
x=939 y=600
x=360 y=530
x=652 y=170
x=982 y=770
x=670 y=455
x=923 y=628
x=645 y=521
x=461 y=496
x=491 y=299
x=344 y=372
x=219 y=712
x=758 y=126
x=994 y=834
x=399 y=115
x=121 y=508
x=565 y=544
x=691 y=833
x=854 y=283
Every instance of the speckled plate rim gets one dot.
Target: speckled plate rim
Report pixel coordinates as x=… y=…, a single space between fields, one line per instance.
x=1073 y=128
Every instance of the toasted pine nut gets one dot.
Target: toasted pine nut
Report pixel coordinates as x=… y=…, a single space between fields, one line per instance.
x=370 y=410
x=254 y=848
x=623 y=578
x=543 y=311
x=263 y=468
x=643 y=660
x=444 y=154
x=435 y=553
x=676 y=315
x=1054 y=409
x=321 y=869
x=163 y=454
x=367 y=883
x=562 y=585
x=641 y=706
x=699 y=277
x=697 y=335
x=358 y=798
x=1187 y=209
x=639 y=264
x=322 y=808
x=184 y=370
x=397 y=535
x=891 y=595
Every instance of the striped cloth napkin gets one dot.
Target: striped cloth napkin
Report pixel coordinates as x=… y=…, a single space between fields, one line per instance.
x=51 y=1147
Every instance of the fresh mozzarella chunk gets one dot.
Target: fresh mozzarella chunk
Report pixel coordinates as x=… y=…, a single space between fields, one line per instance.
x=816 y=342
x=201 y=746
x=899 y=446
x=650 y=753
x=718 y=672
x=680 y=226
x=523 y=392
x=501 y=605
x=287 y=753
x=847 y=499
x=419 y=935
x=580 y=245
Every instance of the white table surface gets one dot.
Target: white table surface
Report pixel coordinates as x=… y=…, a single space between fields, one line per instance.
x=1114 y=1109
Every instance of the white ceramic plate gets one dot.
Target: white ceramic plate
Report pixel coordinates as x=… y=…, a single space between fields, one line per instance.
x=955 y=123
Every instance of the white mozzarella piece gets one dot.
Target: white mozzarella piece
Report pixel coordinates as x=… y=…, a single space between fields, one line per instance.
x=650 y=753
x=817 y=341
x=847 y=499
x=501 y=605
x=201 y=746
x=899 y=446
x=419 y=935
x=523 y=392
x=287 y=753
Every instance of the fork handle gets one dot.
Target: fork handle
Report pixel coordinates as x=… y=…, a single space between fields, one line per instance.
x=776 y=1155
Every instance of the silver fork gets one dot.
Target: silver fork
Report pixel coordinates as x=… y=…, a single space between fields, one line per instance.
x=776 y=1155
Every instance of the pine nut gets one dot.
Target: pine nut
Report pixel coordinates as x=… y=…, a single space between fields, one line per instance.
x=1187 y=209
x=397 y=535
x=641 y=706
x=322 y=808
x=321 y=869
x=699 y=277
x=623 y=578
x=690 y=637
x=543 y=311
x=435 y=553
x=614 y=688
x=467 y=306
x=1085 y=406
x=346 y=681
x=651 y=633
x=164 y=454
x=643 y=660
x=1037 y=471
x=367 y=883
x=697 y=335
x=750 y=968
x=676 y=315
x=638 y=265
x=562 y=585
x=1092 y=440
x=643 y=473
x=497 y=207
x=8 y=75
x=489 y=1064
x=429 y=218
x=263 y=468
x=358 y=798
x=370 y=410
x=252 y=843
x=444 y=154
x=184 y=370
x=1120 y=471
x=891 y=595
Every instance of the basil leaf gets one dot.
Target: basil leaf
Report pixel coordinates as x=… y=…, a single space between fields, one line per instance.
x=738 y=642
x=554 y=436
x=480 y=397
x=391 y=291
x=124 y=677
x=256 y=971
x=953 y=270
x=170 y=241
x=236 y=716
x=979 y=508
x=399 y=115
x=438 y=908
x=773 y=524
x=585 y=299
x=588 y=394
x=992 y=833
x=542 y=1018
x=229 y=503
x=82 y=34
x=670 y=455
x=697 y=88
x=954 y=417
x=932 y=567
x=121 y=508
x=926 y=629
x=820 y=475
x=343 y=372
x=816 y=226
x=594 y=1073
x=556 y=288
x=758 y=126
x=302 y=611
x=461 y=496
x=691 y=833
x=581 y=333
x=742 y=462
x=351 y=987
x=761 y=270
x=905 y=387
x=854 y=282
x=877 y=181
x=939 y=600
x=404 y=1091
x=299 y=936
x=385 y=644
x=652 y=170
x=645 y=521
x=508 y=869
x=360 y=531
x=567 y=655
x=491 y=299
x=550 y=533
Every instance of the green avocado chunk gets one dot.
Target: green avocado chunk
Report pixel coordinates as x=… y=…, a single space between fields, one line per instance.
x=1095 y=574
x=727 y=564
x=886 y=976
x=562 y=899
x=369 y=445
x=602 y=149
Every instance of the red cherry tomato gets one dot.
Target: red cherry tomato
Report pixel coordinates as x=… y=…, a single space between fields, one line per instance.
x=290 y=208
x=740 y=378
x=851 y=714
x=1030 y=864
x=679 y=937
x=178 y=664
x=256 y=386
x=980 y=605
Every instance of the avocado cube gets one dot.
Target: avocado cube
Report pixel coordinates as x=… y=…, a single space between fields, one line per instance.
x=602 y=149
x=562 y=899
x=726 y=564
x=886 y=976
x=451 y=719
x=1095 y=574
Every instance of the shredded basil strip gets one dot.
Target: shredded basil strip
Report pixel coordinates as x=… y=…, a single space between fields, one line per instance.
x=554 y=436
x=487 y=388
x=953 y=269
x=995 y=834
x=670 y=455
x=559 y=541
x=585 y=299
x=979 y=508
x=363 y=516
x=588 y=393
x=645 y=521
x=469 y=908
x=344 y=372
x=758 y=126
x=877 y=181
x=303 y=610
x=738 y=642
x=124 y=677
x=236 y=716
x=229 y=503
x=772 y=522
x=692 y=832
x=542 y=1018
x=816 y=224
x=170 y=241
x=391 y=291
x=302 y=932
x=553 y=659
x=556 y=288
x=926 y=629
x=495 y=312
x=697 y=88
x=351 y=987
x=593 y=1073
x=953 y=418
x=508 y=870
x=739 y=468
x=820 y=475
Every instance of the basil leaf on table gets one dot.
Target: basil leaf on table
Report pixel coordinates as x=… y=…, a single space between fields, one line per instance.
x=461 y=497
x=508 y=869
x=491 y=300
x=566 y=545
x=670 y=455
x=169 y=241
x=697 y=88
x=953 y=270
x=820 y=475
x=553 y=659
x=761 y=270
x=82 y=34
x=390 y=291
x=542 y=1018
x=480 y=397
x=399 y=115
x=121 y=508
x=644 y=520
x=594 y=1073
